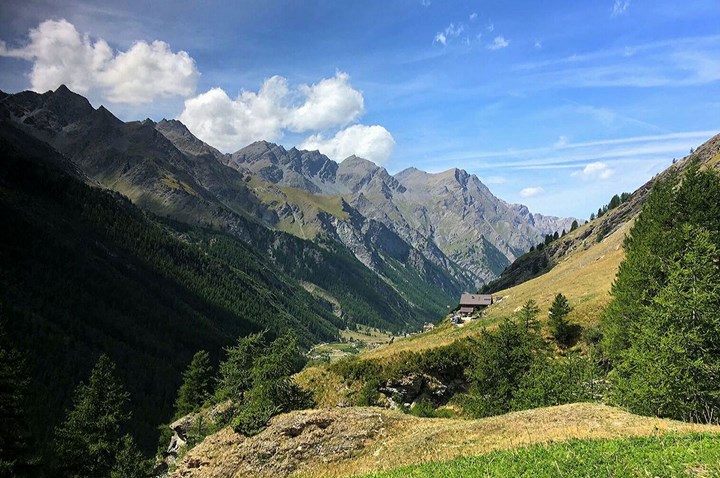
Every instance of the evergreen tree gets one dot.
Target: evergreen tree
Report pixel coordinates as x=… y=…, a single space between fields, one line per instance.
x=528 y=315
x=14 y=446
x=557 y=320
x=507 y=354
x=592 y=216
x=639 y=275
x=574 y=225
x=671 y=366
x=235 y=372
x=273 y=389
x=197 y=385
x=661 y=329
x=89 y=440
x=614 y=202
x=129 y=462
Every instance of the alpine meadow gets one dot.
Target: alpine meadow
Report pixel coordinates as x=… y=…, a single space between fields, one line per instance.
x=359 y=239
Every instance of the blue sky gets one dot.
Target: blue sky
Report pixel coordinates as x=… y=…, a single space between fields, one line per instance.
x=554 y=104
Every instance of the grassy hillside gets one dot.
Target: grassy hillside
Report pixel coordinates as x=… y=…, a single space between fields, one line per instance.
x=351 y=441
x=670 y=455
x=584 y=276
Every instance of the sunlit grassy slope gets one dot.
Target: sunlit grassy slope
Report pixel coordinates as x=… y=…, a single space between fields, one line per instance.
x=671 y=455
x=584 y=277
x=414 y=441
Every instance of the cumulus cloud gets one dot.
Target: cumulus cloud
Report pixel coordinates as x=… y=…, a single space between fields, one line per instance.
x=61 y=55
x=330 y=102
x=370 y=142
x=620 y=7
x=531 y=191
x=498 y=43
x=231 y=123
x=596 y=170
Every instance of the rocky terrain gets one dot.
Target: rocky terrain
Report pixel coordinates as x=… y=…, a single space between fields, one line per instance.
x=345 y=441
x=451 y=218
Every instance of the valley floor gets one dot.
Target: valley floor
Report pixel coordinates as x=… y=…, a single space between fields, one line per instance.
x=350 y=441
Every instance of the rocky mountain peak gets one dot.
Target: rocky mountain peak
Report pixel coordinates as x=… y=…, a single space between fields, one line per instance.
x=181 y=137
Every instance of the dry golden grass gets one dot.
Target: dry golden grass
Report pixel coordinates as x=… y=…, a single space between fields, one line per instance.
x=584 y=277
x=411 y=440
x=341 y=442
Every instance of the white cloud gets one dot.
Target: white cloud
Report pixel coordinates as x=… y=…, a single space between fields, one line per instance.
x=61 y=55
x=561 y=142
x=330 y=102
x=453 y=30
x=473 y=16
x=490 y=27
x=498 y=43
x=596 y=170
x=425 y=3
x=531 y=191
x=230 y=124
x=370 y=142
x=620 y=7
x=538 y=44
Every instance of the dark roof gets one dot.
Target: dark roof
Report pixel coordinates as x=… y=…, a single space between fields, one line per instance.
x=467 y=310
x=473 y=300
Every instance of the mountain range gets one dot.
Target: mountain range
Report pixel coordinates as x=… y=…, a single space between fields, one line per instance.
x=446 y=230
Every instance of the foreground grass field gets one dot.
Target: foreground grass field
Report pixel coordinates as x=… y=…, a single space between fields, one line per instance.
x=672 y=455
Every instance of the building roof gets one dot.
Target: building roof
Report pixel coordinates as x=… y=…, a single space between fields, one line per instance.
x=473 y=300
x=467 y=310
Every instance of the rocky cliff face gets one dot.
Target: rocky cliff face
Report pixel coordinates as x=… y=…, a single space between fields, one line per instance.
x=450 y=218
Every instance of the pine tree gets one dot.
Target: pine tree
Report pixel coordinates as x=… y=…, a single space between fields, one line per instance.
x=129 y=462
x=88 y=441
x=197 y=385
x=273 y=389
x=574 y=225
x=528 y=315
x=671 y=366
x=14 y=440
x=508 y=353
x=557 y=320
x=662 y=327
x=235 y=372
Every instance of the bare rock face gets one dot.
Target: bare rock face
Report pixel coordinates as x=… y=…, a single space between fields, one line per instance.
x=450 y=218
x=290 y=444
x=181 y=429
x=413 y=388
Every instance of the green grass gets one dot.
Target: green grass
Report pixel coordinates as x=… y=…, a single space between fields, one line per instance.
x=671 y=455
